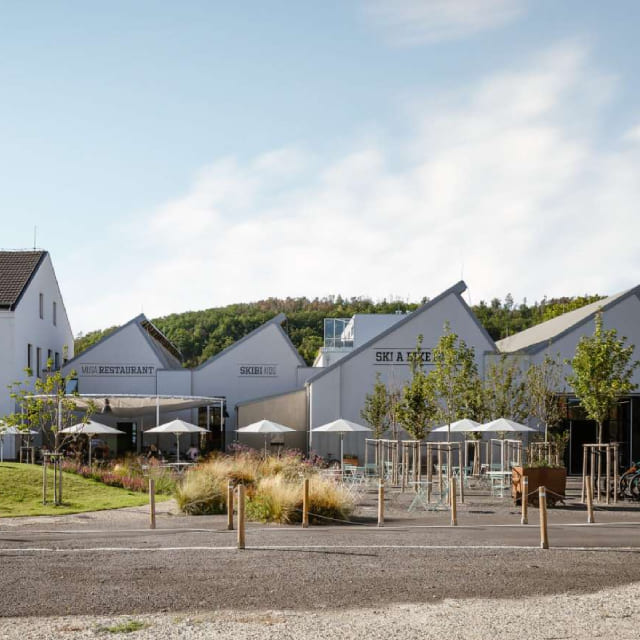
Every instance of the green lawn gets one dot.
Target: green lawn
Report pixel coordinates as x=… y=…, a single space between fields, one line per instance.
x=21 y=493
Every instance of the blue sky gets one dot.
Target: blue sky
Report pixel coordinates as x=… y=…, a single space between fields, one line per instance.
x=179 y=156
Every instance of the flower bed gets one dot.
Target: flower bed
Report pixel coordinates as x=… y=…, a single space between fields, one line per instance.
x=126 y=473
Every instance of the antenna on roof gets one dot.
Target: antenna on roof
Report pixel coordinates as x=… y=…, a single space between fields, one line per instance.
x=35 y=236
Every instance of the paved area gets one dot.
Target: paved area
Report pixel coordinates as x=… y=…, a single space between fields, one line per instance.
x=106 y=574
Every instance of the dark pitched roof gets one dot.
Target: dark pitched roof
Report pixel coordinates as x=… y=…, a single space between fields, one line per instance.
x=16 y=270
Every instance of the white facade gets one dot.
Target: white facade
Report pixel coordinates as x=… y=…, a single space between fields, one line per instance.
x=339 y=391
x=263 y=363
x=23 y=325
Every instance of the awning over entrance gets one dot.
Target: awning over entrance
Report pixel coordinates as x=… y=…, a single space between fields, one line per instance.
x=137 y=405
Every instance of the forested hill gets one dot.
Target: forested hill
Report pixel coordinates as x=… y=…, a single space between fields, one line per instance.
x=201 y=334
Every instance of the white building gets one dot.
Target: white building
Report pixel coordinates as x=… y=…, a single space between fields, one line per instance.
x=34 y=328
x=559 y=337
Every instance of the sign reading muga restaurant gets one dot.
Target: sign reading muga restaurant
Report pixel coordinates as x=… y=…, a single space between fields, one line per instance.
x=108 y=370
x=400 y=356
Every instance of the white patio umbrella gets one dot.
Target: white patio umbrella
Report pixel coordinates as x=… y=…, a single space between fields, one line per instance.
x=266 y=427
x=503 y=425
x=177 y=427
x=6 y=430
x=341 y=426
x=464 y=425
x=91 y=428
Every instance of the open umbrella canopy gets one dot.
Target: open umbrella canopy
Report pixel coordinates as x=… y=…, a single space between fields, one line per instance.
x=177 y=426
x=341 y=426
x=91 y=428
x=14 y=431
x=464 y=425
x=503 y=424
x=264 y=426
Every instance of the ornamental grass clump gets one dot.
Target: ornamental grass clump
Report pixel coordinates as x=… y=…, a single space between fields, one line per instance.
x=273 y=488
x=277 y=499
x=203 y=491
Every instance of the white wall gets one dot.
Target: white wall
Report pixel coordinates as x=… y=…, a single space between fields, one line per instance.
x=224 y=375
x=342 y=391
x=129 y=346
x=624 y=317
x=24 y=326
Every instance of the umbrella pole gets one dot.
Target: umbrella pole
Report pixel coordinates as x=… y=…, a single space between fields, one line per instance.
x=89 y=451
x=342 y=453
x=265 y=446
x=177 y=447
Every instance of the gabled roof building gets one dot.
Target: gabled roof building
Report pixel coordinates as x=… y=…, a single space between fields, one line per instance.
x=34 y=328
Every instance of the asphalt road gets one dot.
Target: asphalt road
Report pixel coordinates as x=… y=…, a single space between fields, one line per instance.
x=111 y=565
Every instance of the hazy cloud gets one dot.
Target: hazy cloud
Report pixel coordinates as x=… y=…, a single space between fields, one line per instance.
x=415 y=22
x=506 y=183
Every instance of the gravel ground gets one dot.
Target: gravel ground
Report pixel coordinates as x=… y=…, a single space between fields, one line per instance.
x=415 y=578
x=610 y=613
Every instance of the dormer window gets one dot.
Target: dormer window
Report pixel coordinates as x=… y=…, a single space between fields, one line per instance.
x=55 y=314
x=41 y=305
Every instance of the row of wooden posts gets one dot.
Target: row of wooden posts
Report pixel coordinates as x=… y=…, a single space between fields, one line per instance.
x=524 y=519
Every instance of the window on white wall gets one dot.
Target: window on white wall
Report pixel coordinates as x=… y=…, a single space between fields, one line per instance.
x=38 y=360
x=55 y=314
x=56 y=362
x=41 y=305
x=49 y=357
x=29 y=356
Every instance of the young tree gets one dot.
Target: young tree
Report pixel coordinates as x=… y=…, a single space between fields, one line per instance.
x=376 y=408
x=602 y=372
x=455 y=379
x=504 y=390
x=44 y=404
x=418 y=407
x=543 y=383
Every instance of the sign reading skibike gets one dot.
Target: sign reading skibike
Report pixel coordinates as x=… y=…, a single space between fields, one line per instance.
x=109 y=370
x=401 y=356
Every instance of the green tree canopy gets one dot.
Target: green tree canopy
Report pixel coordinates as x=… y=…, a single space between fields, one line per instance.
x=418 y=406
x=602 y=372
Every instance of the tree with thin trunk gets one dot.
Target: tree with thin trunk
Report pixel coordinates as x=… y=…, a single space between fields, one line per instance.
x=505 y=391
x=543 y=384
x=418 y=407
x=376 y=409
x=455 y=379
x=602 y=372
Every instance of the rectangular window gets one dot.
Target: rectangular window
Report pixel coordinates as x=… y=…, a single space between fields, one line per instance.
x=38 y=360
x=29 y=356
x=55 y=314
x=41 y=305
x=56 y=362
x=49 y=358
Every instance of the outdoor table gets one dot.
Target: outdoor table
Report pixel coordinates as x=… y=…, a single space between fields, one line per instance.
x=500 y=480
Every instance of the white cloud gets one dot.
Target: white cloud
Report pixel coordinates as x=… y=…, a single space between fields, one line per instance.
x=507 y=180
x=416 y=22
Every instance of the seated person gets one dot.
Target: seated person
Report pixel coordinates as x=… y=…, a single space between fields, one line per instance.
x=193 y=454
x=154 y=452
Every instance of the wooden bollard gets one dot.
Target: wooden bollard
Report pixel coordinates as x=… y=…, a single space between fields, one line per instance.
x=589 y=492
x=230 y=506
x=152 y=503
x=305 y=503
x=544 y=537
x=381 y=504
x=525 y=500
x=454 y=515
x=241 y=535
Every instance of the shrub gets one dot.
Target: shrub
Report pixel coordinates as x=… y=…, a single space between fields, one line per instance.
x=274 y=488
